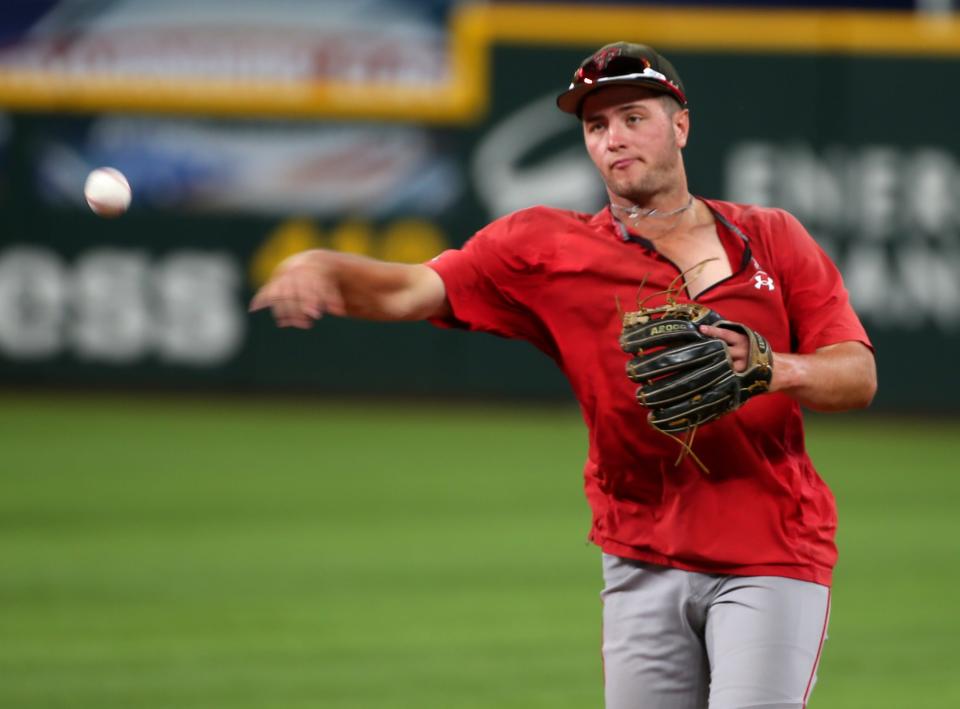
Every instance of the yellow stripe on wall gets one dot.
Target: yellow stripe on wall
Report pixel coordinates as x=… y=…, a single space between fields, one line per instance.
x=740 y=30
x=474 y=30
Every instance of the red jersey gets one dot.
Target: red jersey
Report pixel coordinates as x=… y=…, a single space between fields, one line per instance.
x=554 y=277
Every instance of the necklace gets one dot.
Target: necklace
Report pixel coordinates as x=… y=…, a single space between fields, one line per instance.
x=634 y=212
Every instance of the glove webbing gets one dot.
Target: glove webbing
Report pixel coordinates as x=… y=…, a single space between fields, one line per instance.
x=686 y=443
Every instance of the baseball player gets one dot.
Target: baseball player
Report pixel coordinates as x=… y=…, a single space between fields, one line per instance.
x=717 y=550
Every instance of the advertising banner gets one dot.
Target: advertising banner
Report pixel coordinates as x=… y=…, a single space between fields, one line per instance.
x=385 y=58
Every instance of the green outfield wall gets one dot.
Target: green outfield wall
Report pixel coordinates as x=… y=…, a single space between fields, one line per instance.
x=853 y=133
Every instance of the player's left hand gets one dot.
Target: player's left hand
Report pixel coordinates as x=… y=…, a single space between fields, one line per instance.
x=738 y=344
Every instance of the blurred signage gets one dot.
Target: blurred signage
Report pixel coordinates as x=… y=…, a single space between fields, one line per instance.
x=283 y=57
x=120 y=306
x=889 y=214
x=252 y=167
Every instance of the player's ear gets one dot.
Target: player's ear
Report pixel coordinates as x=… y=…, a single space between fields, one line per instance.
x=681 y=127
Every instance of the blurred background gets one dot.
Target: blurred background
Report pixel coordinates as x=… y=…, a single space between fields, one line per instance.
x=200 y=510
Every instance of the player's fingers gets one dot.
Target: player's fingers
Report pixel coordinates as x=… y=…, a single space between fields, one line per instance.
x=289 y=313
x=261 y=299
x=729 y=336
x=284 y=299
x=282 y=312
x=299 y=322
x=737 y=344
x=274 y=290
x=296 y=296
x=273 y=298
x=309 y=295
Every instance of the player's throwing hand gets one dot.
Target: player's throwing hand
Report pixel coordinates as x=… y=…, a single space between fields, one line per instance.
x=301 y=289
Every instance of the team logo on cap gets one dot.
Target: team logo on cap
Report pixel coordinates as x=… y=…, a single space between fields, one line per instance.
x=602 y=58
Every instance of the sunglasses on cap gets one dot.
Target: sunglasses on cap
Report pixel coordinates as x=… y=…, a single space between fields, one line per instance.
x=618 y=64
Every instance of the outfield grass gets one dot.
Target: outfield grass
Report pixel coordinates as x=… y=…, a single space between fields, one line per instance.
x=230 y=554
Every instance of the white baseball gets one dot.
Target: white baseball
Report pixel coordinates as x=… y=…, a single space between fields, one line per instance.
x=107 y=192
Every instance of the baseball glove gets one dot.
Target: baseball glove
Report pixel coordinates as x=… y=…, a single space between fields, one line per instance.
x=686 y=378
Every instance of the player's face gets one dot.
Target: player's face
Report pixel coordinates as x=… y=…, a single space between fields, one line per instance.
x=635 y=141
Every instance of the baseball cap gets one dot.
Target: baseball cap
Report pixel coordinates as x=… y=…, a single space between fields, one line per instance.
x=622 y=63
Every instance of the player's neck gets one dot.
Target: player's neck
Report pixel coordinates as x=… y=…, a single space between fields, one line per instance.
x=635 y=211
x=654 y=218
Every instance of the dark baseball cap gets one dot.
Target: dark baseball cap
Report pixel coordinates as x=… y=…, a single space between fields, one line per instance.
x=618 y=64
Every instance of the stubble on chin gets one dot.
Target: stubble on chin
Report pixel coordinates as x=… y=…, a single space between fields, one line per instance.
x=642 y=188
x=638 y=190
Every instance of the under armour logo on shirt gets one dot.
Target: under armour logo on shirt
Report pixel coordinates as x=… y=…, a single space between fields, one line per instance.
x=762 y=280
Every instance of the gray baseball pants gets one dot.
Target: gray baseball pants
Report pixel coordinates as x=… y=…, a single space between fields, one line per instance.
x=675 y=639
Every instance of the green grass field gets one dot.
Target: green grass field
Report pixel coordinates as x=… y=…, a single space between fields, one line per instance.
x=257 y=553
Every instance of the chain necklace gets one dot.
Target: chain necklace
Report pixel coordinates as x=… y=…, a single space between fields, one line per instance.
x=634 y=212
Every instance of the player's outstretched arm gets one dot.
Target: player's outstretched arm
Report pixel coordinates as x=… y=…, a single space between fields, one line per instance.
x=312 y=283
